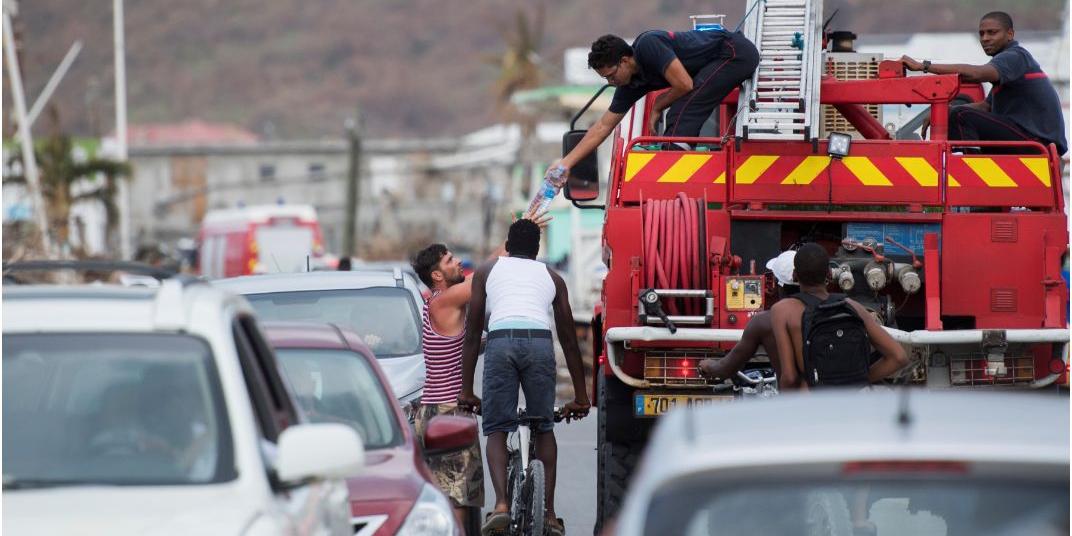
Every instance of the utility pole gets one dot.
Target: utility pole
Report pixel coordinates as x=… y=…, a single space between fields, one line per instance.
x=353 y=186
x=121 y=125
x=29 y=163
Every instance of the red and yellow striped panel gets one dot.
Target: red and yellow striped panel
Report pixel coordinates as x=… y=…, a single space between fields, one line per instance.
x=675 y=167
x=999 y=180
x=874 y=176
x=870 y=171
x=856 y=179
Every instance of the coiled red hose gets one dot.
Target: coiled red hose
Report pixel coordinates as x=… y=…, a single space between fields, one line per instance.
x=672 y=238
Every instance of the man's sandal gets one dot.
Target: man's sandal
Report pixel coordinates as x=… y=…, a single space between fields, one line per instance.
x=495 y=524
x=554 y=527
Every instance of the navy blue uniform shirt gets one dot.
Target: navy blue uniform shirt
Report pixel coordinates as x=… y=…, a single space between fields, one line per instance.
x=1025 y=96
x=653 y=51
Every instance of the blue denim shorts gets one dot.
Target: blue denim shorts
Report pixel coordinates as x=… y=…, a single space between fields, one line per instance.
x=510 y=362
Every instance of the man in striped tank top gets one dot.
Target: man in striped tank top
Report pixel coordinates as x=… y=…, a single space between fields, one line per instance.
x=460 y=475
x=519 y=294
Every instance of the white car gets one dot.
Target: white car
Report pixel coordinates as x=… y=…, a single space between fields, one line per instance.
x=845 y=463
x=158 y=411
x=382 y=306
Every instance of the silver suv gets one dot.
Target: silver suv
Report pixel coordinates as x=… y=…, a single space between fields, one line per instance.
x=127 y=410
x=382 y=306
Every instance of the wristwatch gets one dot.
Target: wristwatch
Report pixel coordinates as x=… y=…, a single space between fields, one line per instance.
x=926 y=66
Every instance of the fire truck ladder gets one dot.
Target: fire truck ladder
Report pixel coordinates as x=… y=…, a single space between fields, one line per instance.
x=780 y=102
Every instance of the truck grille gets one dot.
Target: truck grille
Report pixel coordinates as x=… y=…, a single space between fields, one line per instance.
x=970 y=369
x=678 y=368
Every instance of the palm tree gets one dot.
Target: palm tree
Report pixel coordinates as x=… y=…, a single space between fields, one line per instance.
x=519 y=65
x=520 y=69
x=66 y=182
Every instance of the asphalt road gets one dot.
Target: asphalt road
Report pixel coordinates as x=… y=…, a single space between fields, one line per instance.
x=576 y=489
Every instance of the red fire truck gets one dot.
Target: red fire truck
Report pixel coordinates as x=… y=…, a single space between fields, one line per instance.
x=956 y=246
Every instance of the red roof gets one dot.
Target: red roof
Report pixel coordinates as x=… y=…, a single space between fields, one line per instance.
x=190 y=132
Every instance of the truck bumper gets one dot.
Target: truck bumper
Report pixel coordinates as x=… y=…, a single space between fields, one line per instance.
x=616 y=337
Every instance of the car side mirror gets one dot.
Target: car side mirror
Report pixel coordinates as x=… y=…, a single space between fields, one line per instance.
x=449 y=433
x=583 y=181
x=319 y=452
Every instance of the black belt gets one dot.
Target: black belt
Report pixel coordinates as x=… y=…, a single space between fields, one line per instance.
x=518 y=333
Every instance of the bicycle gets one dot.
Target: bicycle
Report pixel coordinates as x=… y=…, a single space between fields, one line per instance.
x=525 y=479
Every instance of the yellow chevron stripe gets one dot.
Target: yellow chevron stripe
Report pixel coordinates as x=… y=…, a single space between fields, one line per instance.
x=991 y=173
x=865 y=171
x=806 y=172
x=721 y=178
x=752 y=168
x=635 y=162
x=953 y=182
x=919 y=169
x=1040 y=167
x=684 y=168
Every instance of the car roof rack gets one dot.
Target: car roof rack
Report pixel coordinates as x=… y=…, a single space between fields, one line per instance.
x=397 y=272
x=138 y=268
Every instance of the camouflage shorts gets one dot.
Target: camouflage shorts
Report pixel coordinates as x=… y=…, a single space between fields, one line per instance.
x=460 y=474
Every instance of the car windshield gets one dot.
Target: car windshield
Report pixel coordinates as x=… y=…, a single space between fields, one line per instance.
x=115 y=408
x=936 y=507
x=386 y=318
x=339 y=386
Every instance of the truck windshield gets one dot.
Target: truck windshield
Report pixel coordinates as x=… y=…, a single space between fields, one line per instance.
x=385 y=317
x=115 y=408
x=339 y=386
x=938 y=507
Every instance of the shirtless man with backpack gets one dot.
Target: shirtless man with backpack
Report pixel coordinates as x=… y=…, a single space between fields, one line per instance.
x=825 y=340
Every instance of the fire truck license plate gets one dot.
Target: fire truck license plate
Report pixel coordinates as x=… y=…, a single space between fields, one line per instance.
x=652 y=405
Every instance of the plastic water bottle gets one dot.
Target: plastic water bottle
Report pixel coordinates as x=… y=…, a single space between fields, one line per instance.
x=552 y=183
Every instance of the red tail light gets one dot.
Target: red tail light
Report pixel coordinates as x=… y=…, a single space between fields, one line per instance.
x=905 y=466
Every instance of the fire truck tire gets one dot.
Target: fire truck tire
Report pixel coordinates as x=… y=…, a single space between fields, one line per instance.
x=615 y=461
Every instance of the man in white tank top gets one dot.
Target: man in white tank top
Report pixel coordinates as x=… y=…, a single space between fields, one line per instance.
x=517 y=292
x=460 y=475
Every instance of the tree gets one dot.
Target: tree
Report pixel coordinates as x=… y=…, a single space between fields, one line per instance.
x=66 y=181
x=520 y=69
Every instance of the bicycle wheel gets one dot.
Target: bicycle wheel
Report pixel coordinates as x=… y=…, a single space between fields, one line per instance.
x=514 y=479
x=534 y=493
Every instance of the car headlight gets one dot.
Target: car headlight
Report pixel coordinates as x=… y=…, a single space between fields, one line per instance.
x=431 y=515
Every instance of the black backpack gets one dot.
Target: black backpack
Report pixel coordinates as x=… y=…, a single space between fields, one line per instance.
x=837 y=349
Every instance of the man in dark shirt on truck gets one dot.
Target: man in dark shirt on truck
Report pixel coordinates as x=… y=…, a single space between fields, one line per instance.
x=1022 y=105
x=698 y=68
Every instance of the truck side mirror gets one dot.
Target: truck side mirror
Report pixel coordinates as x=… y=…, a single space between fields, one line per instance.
x=583 y=182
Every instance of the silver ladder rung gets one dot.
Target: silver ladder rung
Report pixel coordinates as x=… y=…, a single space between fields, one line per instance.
x=780 y=63
x=779 y=74
x=777 y=83
x=773 y=105
x=777 y=115
x=779 y=53
x=779 y=126
x=772 y=136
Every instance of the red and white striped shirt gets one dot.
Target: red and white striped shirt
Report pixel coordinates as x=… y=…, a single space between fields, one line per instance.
x=442 y=361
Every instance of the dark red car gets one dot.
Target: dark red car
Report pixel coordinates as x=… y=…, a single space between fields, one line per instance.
x=335 y=378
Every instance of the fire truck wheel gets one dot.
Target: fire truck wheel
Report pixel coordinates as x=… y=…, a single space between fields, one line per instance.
x=615 y=462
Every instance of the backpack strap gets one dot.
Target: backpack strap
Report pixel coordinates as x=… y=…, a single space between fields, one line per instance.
x=810 y=303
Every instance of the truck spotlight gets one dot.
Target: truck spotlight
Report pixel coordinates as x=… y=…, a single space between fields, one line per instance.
x=837 y=145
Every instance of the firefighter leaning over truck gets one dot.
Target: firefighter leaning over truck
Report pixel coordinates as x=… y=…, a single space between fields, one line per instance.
x=954 y=246
x=698 y=69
